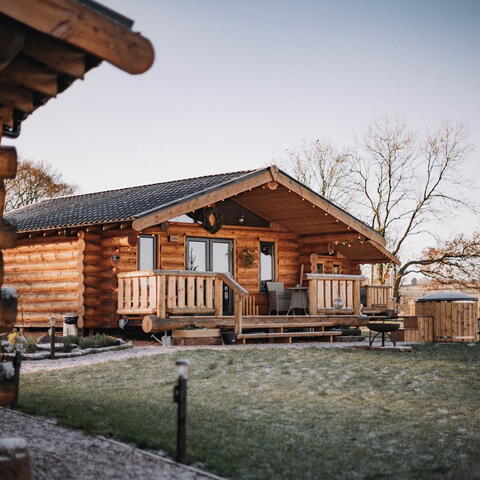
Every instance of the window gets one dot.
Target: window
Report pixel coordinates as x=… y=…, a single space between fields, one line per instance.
x=267 y=264
x=147 y=252
x=336 y=268
x=319 y=267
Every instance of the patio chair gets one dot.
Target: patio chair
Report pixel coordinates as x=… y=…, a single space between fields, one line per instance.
x=278 y=297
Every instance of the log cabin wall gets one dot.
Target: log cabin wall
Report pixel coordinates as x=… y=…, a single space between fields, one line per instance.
x=55 y=276
x=48 y=274
x=102 y=267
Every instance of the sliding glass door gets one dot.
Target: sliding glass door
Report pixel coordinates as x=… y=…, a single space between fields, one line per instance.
x=211 y=255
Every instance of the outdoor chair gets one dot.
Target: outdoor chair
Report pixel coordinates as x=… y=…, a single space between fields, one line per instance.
x=278 y=297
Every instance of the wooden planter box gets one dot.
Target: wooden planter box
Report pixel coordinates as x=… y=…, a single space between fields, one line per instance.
x=201 y=336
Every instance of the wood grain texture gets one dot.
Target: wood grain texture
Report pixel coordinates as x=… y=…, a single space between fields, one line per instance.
x=85 y=29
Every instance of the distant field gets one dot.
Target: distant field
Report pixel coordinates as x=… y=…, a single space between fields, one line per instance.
x=286 y=413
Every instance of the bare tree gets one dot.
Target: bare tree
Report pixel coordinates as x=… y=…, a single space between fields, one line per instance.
x=403 y=185
x=454 y=262
x=396 y=181
x=34 y=181
x=322 y=167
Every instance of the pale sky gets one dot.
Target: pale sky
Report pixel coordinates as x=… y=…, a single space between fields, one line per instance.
x=234 y=83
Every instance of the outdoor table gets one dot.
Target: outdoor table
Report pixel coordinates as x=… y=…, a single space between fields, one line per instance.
x=298 y=300
x=381 y=328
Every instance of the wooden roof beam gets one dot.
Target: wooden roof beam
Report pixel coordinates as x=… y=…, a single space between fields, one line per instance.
x=85 y=29
x=30 y=75
x=6 y=116
x=12 y=40
x=333 y=237
x=8 y=162
x=54 y=53
x=15 y=97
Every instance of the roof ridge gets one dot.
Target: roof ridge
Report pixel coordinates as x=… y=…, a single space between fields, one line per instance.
x=52 y=199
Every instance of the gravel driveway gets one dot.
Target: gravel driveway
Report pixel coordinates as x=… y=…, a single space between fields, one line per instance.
x=59 y=453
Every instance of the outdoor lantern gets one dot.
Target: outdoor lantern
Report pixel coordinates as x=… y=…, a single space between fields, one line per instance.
x=338 y=303
x=20 y=343
x=182 y=367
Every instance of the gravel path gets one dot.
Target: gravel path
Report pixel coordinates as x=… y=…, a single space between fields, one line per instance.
x=42 y=365
x=59 y=453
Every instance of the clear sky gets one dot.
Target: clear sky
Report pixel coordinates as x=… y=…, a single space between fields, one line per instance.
x=236 y=82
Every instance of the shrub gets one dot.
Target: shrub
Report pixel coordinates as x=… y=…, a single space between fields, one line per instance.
x=31 y=345
x=69 y=341
x=97 y=341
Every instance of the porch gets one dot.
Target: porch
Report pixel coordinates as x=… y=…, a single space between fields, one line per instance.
x=163 y=300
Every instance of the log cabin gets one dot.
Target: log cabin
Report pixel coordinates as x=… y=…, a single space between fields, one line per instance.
x=44 y=48
x=193 y=251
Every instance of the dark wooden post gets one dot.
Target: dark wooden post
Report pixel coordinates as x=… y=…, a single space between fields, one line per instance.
x=17 y=362
x=52 y=337
x=180 y=397
x=182 y=420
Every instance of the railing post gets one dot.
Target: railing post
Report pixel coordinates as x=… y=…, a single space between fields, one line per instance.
x=312 y=297
x=161 y=297
x=237 y=311
x=218 y=296
x=356 y=297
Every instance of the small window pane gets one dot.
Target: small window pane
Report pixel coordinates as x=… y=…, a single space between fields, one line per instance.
x=197 y=255
x=146 y=253
x=267 y=264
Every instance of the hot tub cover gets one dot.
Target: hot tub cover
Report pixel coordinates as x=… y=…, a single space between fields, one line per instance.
x=447 y=297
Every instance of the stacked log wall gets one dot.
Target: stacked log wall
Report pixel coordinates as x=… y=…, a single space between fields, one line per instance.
x=48 y=276
x=102 y=267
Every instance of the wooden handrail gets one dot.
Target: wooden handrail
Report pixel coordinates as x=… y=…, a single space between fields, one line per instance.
x=333 y=276
x=151 y=273
x=236 y=287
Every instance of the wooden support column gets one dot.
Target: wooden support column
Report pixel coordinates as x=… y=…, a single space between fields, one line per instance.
x=237 y=310
x=8 y=168
x=161 y=297
x=312 y=297
x=218 y=301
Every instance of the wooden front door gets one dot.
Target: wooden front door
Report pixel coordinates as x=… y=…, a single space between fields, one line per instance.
x=212 y=255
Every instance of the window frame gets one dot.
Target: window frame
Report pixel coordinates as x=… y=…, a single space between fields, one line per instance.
x=154 y=237
x=262 y=286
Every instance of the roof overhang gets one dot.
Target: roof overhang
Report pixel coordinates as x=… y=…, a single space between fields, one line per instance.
x=46 y=45
x=279 y=198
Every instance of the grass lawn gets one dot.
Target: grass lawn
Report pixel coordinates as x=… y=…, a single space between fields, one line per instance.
x=286 y=413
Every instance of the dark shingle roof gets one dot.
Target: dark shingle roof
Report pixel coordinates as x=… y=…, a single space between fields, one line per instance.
x=113 y=205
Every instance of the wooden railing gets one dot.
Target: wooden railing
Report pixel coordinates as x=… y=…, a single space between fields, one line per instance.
x=324 y=289
x=174 y=292
x=378 y=296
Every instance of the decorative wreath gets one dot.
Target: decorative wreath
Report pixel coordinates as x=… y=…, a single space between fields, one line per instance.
x=208 y=212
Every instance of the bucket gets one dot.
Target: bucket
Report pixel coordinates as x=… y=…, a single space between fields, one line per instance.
x=228 y=338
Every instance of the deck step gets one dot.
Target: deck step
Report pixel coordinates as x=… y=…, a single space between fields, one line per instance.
x=246 y=336
x=246 y=326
